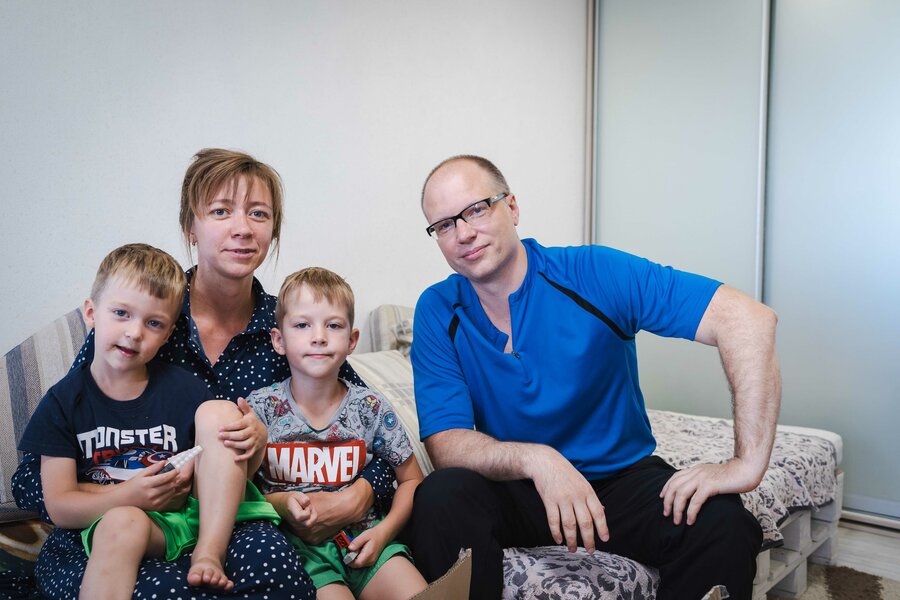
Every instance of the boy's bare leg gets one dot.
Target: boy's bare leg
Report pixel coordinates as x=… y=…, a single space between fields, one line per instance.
x=123 y=537
x=219 y=484
x=397 y=579
x=334 y=591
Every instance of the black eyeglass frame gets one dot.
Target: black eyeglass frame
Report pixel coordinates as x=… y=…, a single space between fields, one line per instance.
x=490 y=202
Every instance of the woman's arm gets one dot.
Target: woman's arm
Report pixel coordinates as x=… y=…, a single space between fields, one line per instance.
x=378 y=490
x=378 y=473
x=371 y=542
x=27 y=488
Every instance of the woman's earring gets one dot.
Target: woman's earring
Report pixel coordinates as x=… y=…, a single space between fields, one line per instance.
x=193 y=241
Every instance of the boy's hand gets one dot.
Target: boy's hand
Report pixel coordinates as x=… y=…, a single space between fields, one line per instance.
x=301 y=514
x=336 y=510
x=183 y=484
x=247 y=435
x=152 y=490
x=370 y=543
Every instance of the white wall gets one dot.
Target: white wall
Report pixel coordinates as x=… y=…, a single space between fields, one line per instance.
x=104 y=103
x=833 y=260
x=677 y=162
x=678 y=106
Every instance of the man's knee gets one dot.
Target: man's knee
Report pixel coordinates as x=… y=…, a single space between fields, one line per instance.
x=449 y=487
x=725 y=522
x=447 y=495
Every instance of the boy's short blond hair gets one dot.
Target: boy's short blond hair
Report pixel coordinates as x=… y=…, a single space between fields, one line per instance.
x=323 y=284
x=152 y=270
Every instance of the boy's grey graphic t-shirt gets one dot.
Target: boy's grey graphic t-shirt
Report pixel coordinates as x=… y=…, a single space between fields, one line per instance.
x=303 y=459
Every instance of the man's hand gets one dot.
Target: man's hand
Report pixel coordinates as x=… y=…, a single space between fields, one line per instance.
x=152 y=490
x=691 y=487
x=570 y=501
x=247 y=435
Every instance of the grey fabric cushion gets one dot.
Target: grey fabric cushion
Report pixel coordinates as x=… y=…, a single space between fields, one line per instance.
x=26 y=373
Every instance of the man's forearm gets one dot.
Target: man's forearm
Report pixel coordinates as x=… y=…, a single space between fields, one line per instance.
x=744 y=331
x=756 y=392
x=500 y=461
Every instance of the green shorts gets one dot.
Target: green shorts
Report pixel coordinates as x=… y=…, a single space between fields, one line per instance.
x=325 y=562
x=181 y=526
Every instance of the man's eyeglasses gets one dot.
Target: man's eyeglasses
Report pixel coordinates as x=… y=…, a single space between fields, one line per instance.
x=470 y=214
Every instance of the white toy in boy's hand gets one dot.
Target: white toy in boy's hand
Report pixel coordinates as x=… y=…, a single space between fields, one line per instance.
x=181 y=459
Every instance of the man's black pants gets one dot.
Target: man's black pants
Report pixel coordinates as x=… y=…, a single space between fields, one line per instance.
x=457 y=508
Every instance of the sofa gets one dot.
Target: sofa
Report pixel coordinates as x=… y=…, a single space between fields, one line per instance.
x=798 y=504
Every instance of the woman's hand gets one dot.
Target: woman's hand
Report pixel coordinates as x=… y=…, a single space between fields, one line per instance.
x=247 y=435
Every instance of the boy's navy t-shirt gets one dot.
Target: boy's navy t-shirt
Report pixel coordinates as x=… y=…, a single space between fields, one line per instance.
x=111 y=440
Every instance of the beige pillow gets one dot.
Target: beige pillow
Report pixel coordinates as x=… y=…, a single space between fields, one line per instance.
x=390 y=373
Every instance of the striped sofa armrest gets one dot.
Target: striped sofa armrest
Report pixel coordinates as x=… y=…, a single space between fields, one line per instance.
x=26 y=373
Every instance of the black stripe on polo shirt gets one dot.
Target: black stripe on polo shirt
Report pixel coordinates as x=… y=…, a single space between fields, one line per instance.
x=588 y=307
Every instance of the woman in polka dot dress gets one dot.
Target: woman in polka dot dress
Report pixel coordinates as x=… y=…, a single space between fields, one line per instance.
x=231 y=211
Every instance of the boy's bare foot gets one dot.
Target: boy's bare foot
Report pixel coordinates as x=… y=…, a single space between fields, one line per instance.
x=208 y=572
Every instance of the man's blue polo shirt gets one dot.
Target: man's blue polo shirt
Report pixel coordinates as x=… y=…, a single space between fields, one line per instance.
x=571 y=381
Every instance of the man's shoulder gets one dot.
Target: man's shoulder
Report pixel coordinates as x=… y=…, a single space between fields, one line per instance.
x=583 y=251
x=445 y=295
x=573 y=262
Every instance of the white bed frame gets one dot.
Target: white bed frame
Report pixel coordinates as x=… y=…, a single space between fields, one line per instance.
x=808 y=537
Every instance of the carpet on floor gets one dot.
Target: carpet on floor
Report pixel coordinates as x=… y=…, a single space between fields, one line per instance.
x=844 y=583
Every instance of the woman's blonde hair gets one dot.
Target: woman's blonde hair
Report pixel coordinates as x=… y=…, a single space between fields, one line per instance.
x=210 y=169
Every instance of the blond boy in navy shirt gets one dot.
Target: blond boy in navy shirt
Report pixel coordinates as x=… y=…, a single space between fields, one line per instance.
x=118 y=420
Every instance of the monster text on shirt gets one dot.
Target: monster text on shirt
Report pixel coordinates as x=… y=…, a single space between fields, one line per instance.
x=95 y=441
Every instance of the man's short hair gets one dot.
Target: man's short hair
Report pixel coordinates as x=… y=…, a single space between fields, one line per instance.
x=152 y=270
x=485 y=165
x=323 y=284
x=212 y=168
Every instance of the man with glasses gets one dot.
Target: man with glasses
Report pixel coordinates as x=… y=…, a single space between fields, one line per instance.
x=528 y=401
